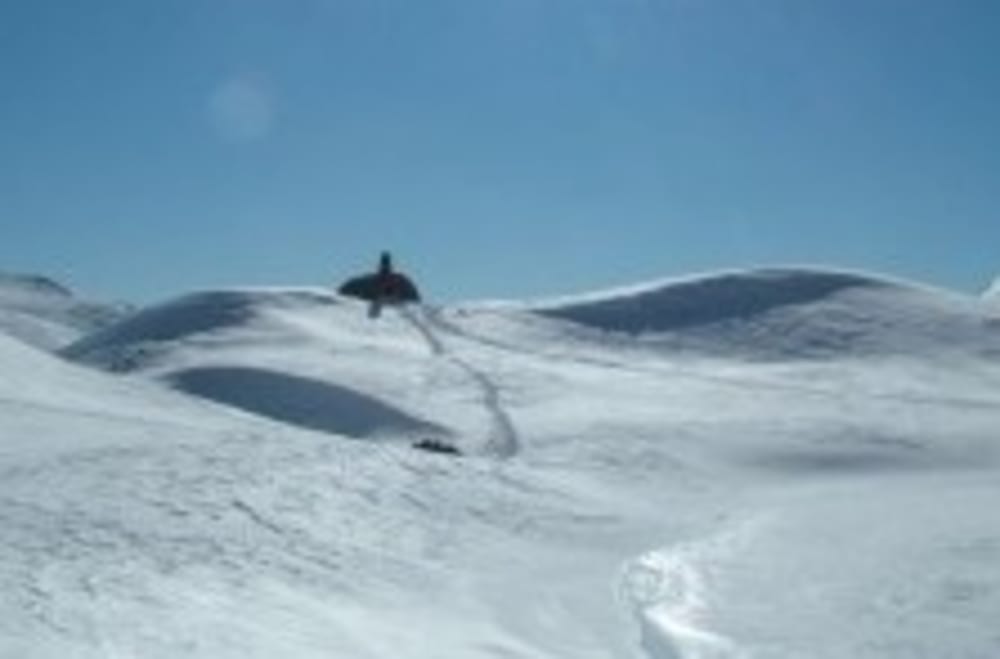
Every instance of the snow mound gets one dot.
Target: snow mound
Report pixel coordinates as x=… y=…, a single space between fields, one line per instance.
x=672 y=305
x=786 y=313
x=44 y=313
x=300 y=356
x=188 y=317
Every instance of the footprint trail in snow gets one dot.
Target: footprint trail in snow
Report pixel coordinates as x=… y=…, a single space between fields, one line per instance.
x=504 y=440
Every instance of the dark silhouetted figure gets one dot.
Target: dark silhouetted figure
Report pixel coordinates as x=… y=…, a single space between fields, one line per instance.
x=386 y=286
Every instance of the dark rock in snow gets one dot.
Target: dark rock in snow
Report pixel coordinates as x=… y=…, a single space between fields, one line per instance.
x=436 y=446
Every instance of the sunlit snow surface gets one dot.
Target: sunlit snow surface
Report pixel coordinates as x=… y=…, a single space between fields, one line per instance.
x=781 y=463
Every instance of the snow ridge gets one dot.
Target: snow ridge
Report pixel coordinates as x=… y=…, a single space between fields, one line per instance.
x=786 y=313
x=45 y=314
x=678 y=304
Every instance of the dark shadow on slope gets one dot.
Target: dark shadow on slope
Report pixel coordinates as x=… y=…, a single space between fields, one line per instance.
x=850 y=452
x=303 y=402
x=856 y=451
x=706 y=301
x=807 y=463
x=861 y=461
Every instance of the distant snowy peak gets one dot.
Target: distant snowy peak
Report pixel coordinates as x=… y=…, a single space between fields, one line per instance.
x=30 y=285
x=780 y=313
x=46 y=314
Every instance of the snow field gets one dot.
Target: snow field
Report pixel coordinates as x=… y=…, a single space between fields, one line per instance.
x=781 y=463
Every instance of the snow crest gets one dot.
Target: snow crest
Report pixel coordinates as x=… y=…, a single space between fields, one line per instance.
x=780 y=314
x=46 y=314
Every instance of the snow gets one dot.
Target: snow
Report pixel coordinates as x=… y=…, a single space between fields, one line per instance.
x=787 y=314
x=770 y=463
x=993 y=292
x=44 y=313
x=301 y=401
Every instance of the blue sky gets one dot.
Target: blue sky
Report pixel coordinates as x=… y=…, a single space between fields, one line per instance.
x=501 y=148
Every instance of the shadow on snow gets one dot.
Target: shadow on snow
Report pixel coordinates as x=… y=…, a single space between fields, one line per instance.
x=303 y=402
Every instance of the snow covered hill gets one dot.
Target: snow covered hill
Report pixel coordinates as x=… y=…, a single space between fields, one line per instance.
x=789 y=314
x=50 y=407
x=41 y=312
x=781 y=463
x=305 y=357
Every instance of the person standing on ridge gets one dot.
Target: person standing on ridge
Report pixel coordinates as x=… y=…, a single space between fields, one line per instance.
x=384 y=286
x=386 y=289
x=381 y=288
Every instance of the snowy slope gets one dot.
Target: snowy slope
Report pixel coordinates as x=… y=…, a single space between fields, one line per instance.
x=51 y=407
x=790 y=313
x=43 y=313
x=668 y=471
x=302 y=356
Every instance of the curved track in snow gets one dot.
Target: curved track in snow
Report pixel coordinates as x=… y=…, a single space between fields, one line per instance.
x=668 y=593
x=504 y=441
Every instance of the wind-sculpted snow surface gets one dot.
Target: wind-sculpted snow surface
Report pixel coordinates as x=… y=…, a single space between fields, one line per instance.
x=623 y=489
x=779 y=314
x=220 y=346
x=45 y=314
x=669 y=595
x=195 y=316
x=707 y=300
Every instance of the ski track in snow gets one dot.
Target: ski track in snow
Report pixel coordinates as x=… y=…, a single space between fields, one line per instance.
x=664 y=589
x=504 y=441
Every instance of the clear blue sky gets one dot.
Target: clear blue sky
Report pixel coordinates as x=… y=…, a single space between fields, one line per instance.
x=501 y=148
